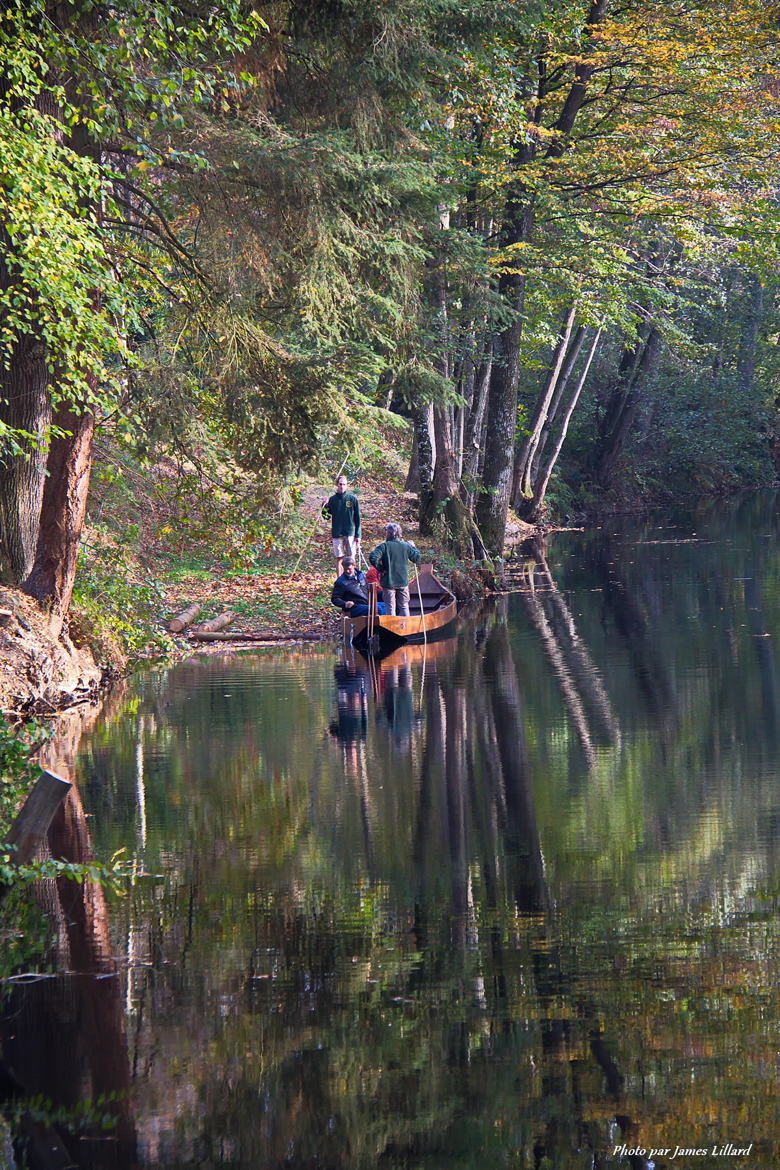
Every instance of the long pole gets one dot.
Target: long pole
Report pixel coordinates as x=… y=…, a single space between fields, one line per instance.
x=425 y=638
x=422 y=611
x=317 y=519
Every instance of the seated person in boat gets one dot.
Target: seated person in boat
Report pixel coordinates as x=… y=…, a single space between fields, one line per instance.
x=392 y=558
x=350 y=591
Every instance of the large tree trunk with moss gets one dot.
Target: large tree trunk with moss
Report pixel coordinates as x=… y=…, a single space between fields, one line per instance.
x=501 y=418
x=448 y=516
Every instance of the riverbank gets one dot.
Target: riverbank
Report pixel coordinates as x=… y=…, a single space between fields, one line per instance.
x=165 y=536
x=122 y=622
x=40 y=674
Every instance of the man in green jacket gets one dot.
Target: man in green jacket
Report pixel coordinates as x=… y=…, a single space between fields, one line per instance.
x=343 y=511
x=392 y=558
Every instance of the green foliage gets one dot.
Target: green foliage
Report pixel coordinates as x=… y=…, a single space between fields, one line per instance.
x=56 y=274
x=84 y=1115
x=64 y=277
x=112 y=606
x=705 y=421
x=111 y=876
x=303 y=214
x=19 y=747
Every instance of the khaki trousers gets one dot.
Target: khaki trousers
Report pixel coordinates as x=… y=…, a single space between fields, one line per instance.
x=397 y=598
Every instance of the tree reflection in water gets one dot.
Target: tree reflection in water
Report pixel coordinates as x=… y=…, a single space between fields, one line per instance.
x=64 y=1041
x=512 y=906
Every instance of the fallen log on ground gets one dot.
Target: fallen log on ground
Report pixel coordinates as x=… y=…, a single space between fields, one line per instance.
x=183 y=619
x=217 y=623
x=202 y=635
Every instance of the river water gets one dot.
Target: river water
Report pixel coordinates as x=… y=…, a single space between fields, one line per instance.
x=508 y=902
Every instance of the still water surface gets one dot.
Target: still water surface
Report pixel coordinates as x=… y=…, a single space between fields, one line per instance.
x=511 y=903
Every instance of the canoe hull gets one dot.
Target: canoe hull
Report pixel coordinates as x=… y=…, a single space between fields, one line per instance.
x=394 y=631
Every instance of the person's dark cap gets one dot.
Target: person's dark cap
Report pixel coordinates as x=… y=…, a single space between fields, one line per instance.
x=347 y=561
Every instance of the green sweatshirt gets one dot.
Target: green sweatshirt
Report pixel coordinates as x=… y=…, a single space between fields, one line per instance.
x=343 y=511
x=392 y=558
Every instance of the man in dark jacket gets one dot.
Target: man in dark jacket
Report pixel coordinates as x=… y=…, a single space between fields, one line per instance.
x=350 y=591
x=343 y=511
x=392 y=558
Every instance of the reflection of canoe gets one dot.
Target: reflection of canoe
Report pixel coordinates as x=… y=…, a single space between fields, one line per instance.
x=439 y=609
x=411 y=654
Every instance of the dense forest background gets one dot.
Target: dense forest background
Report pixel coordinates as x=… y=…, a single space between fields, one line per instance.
x=535 y=242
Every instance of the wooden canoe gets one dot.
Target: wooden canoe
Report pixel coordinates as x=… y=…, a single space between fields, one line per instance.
x=381 y=633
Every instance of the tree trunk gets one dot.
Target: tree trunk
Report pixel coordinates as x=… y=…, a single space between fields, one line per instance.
x=501 y=420
x=420 y=477
x=216 y=623
x=64 y=500
x=523 y=487
x=25 y=405
x=445 y=482
x=472 y=442
x=493 y=501
x=459 y=426
x=444 y=471
x=31 y=824
x=540 y=489
x=412 y=481
x=183 y=619
x=624 y=404
x=62 y=514
x=563 y=381
x=447 y=512
x=443 y=509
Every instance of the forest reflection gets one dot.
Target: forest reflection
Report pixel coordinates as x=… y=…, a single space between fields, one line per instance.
x=65 y=1070
x=509 y=899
